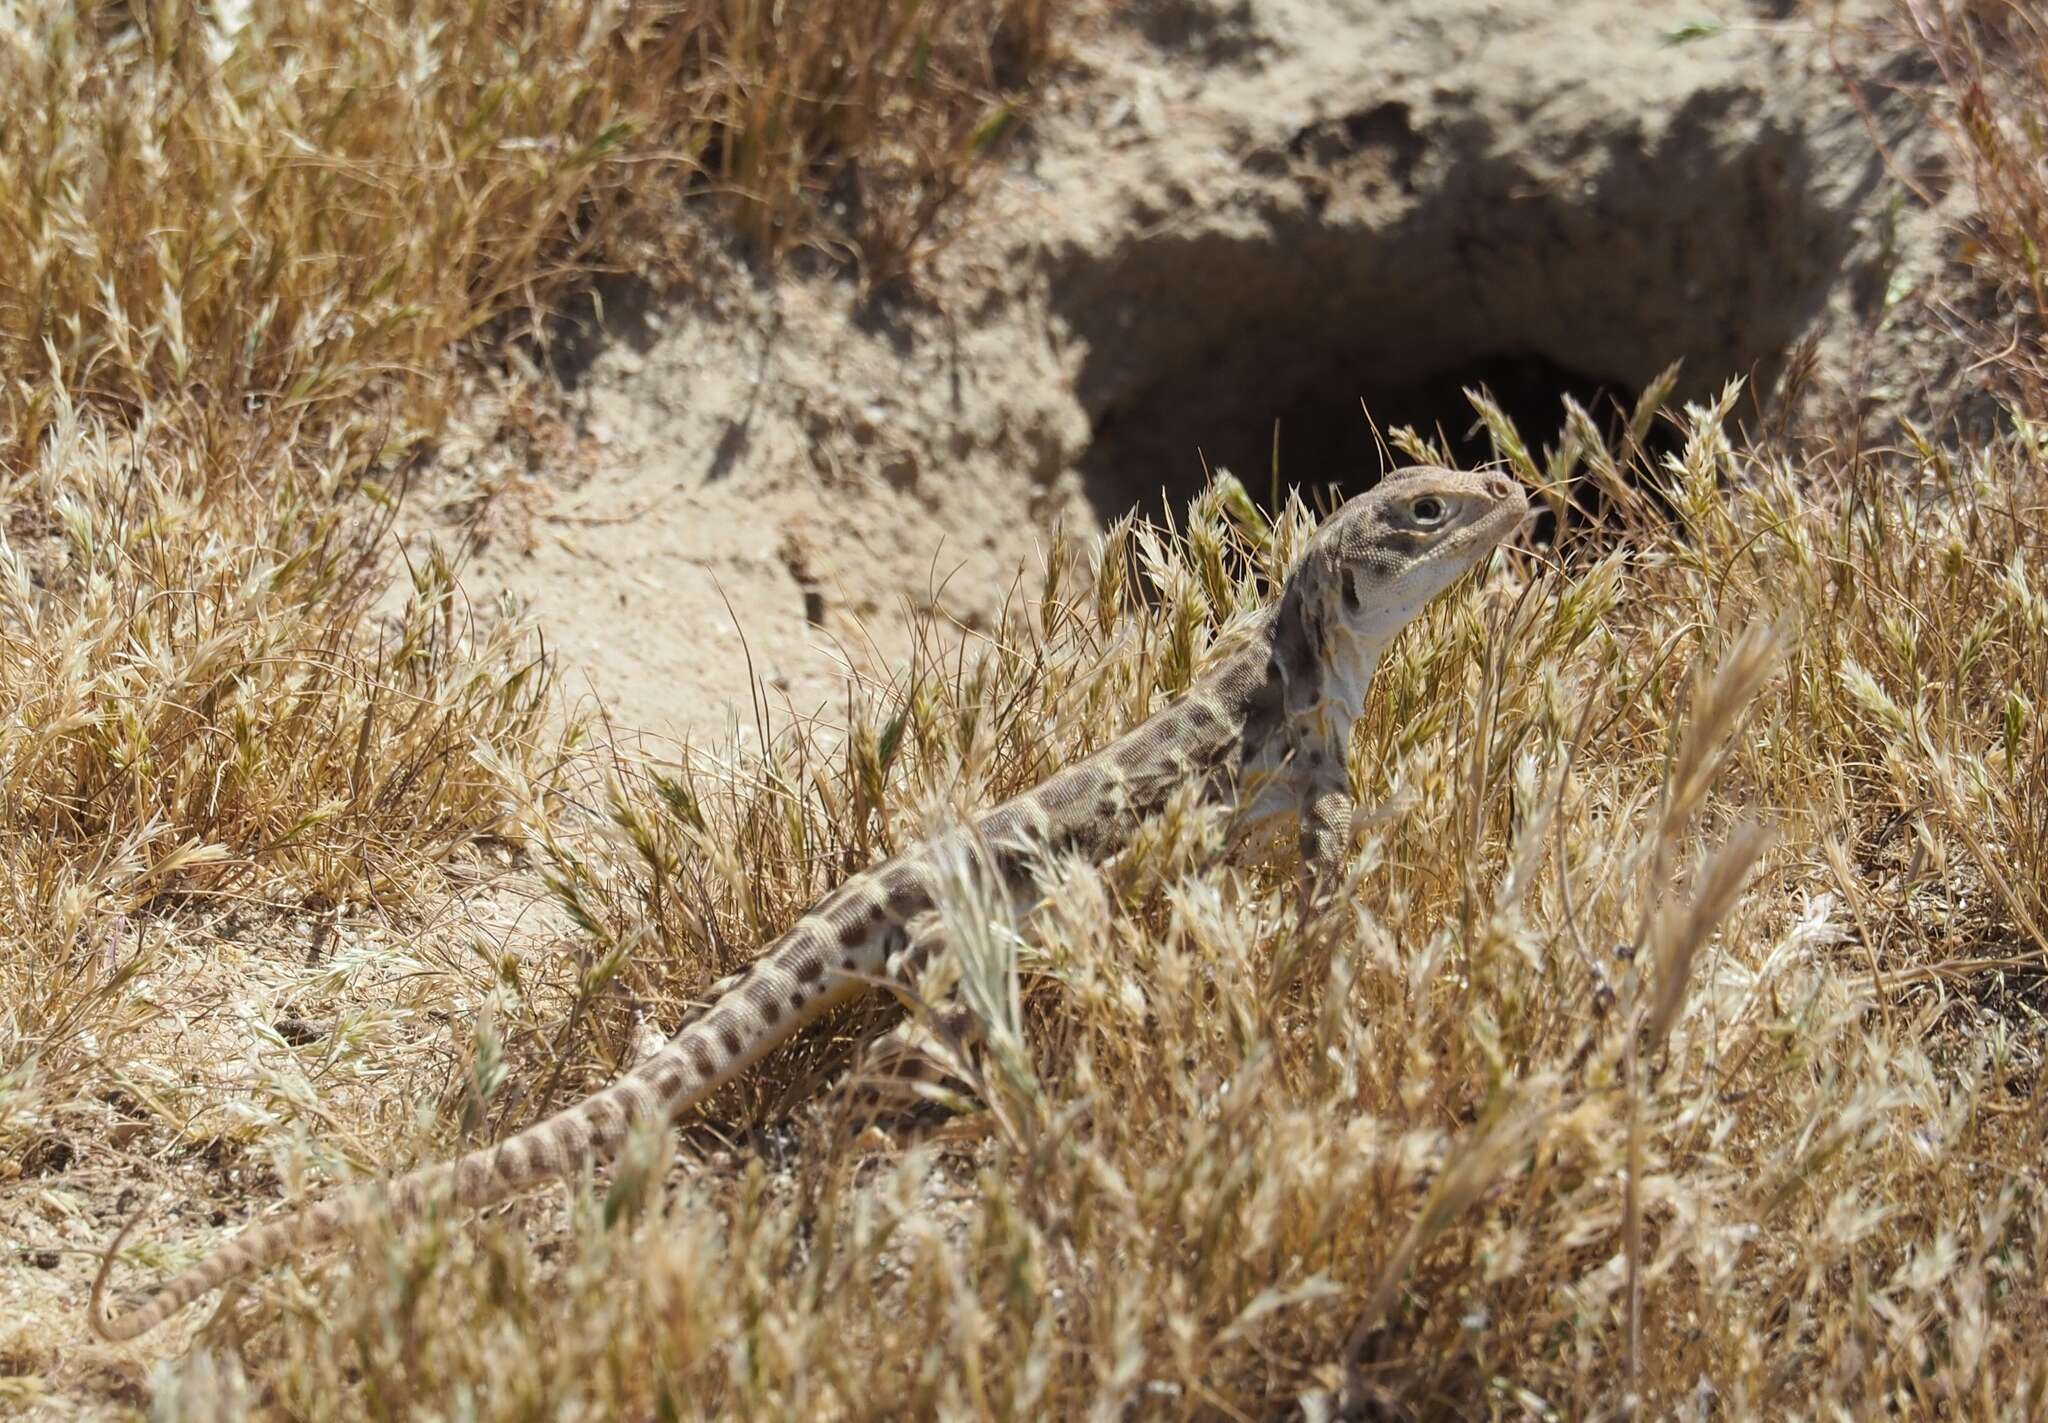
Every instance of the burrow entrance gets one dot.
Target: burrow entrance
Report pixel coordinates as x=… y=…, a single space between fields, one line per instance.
x=1390 y=271
x=1329 y=429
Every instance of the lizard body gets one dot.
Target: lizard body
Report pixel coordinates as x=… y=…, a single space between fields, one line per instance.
x=1265 y=730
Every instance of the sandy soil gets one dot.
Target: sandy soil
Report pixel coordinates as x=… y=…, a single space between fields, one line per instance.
x=1223 y=216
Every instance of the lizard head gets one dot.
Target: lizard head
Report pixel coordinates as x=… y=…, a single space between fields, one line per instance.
x=1373 y=564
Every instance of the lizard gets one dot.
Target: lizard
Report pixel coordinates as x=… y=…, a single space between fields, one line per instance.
x=1265 y=731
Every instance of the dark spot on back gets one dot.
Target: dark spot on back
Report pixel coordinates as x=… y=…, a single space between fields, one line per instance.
x=1085 y=781
x=811 y=969
x=796 y=1001
x=729 y=1038
x=856 y=931
x=771 y=1012
x=905 y=894
x=1137 y=757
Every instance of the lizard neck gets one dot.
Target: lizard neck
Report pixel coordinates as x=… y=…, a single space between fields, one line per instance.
x=1323 y=715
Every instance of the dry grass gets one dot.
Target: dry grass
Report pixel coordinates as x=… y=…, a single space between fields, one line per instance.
x=1676 y=1040
x=1676 y=1045
x=282 y=219
x=1992 y=59
x=241 y=251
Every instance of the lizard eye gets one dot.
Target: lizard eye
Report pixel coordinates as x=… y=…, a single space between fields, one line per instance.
x=1429 y=511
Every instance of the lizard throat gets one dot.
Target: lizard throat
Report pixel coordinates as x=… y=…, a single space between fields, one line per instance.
x=1347 y=676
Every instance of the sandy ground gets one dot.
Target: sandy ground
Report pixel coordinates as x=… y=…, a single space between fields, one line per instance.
x=1223 y=216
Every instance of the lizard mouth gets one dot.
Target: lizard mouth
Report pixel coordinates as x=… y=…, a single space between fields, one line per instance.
x=1498 y=523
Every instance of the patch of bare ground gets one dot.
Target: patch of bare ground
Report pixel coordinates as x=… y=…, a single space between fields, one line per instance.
x=1251 y=237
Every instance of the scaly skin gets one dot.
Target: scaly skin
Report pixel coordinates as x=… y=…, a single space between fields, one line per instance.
x=1264 y=731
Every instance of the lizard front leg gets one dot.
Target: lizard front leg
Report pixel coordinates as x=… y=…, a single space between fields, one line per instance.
x=911 y=1063
x=904 y=1064
x=1326 y=817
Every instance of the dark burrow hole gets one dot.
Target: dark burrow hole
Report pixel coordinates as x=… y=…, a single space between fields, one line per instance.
x=1382 y=262
x=1326 y=435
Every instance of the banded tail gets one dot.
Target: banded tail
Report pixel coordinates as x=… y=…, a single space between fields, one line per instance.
x=847 y=939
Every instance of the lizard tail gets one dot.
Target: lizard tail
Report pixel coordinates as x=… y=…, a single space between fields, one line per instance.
x=255 y=1247
x=711 y=1048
